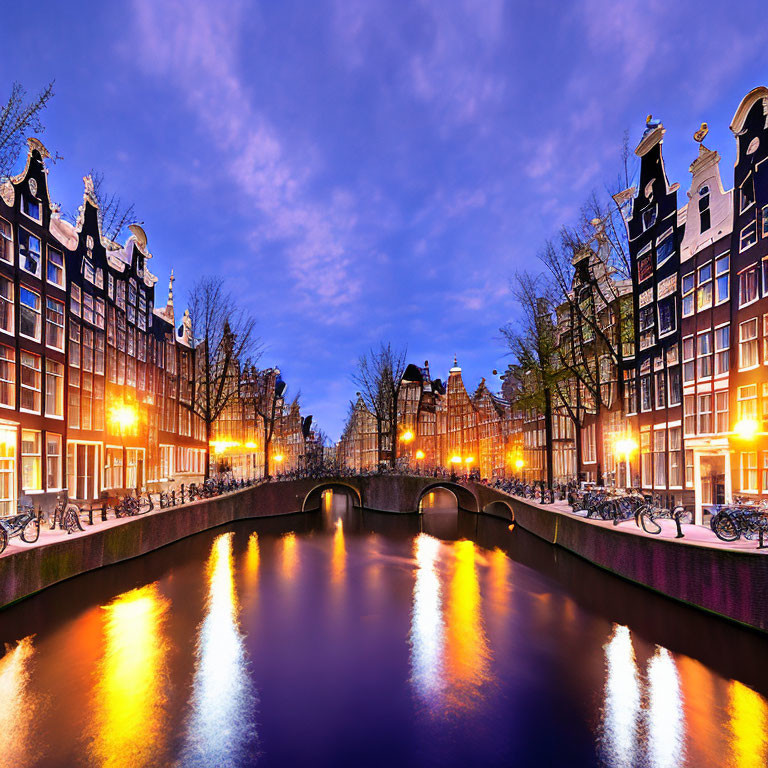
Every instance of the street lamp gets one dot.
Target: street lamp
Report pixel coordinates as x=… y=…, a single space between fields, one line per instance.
x=519 y=463
x=123 y=417
x=407 y=436
x=419 y=454
x=456 y=459
x=625 y=447
x=746 y=429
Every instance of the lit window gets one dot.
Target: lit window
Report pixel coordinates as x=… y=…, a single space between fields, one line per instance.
x=722 y=425
x=6 y=242
x=689 y=414
x=31 y=460
x=644 y=267
x=660 y=458
x=54 y=324
x=54 y=388
x=55 y=271
x=646 y=458
x=704 y=293
x=748 y=344
x=53 y=461
x=29 y=253
x=688 y=287
x=675 y=457
x=749 y=472
x=29 y=313
x=746 y=400
x=30 y=381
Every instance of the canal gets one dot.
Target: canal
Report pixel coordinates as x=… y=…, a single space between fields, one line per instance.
x=343 y=637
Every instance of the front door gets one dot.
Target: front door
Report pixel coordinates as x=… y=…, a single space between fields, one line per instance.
x=713 y=479
x=82 y=474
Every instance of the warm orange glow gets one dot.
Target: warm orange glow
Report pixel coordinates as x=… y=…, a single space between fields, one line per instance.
x=16 y=703
x=252 y=555
x=250 y=445
x=278 y=457
x=221 y=446
x=419 y=454
x=339 y=558
x=456 y=459
x=519 y=463
x=748 y=726
x=469 y=459
x=625 y=447
x=123 y=416
x=746 y=429
x=290 y=559
x=130 y=698
x=407 y=436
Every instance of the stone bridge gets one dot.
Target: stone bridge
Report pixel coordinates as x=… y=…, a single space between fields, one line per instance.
x=387 y=493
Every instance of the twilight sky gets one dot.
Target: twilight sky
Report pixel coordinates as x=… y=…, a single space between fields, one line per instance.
x=364 y=170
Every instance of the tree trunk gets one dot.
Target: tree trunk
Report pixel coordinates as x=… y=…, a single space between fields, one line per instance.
x=267 y=441
x=207 y=449
x=548 y=434
x=577 y=445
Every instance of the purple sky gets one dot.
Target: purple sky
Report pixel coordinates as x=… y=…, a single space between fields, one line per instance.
x=368 y=170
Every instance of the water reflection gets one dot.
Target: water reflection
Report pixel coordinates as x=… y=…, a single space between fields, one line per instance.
x=666 y=732
x=130 y=700
x=467 y=652
x=290 y=558
x=252 y=556
x=17 y=704
x=339 y=557
x=427 y=630
x=748 y=713
x=221 y=725
x=622 y=700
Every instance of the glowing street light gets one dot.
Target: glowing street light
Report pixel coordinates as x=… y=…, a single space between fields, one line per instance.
x=419 y=454
x=746 y=429
x=407 y=436
x=456 y=459
x=519 y=463
x=123 y=416
x=278 y=457
x=469 y=459
x=625 y=447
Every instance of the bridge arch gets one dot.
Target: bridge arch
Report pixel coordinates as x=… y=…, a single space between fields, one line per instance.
x=500 y=508
x=313 y=498
x=465 y=499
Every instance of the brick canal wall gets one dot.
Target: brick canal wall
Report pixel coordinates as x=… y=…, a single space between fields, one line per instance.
x=730 y=583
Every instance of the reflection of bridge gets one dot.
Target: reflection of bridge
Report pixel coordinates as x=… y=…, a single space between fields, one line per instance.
x=401 y=493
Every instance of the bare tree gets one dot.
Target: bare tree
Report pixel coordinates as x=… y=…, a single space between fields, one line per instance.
x=19 y=117
x=114 y=214
x=379 y=376
x=224 y=337
x=263 y=392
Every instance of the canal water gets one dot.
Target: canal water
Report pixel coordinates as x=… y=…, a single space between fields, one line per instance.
x=350 y=638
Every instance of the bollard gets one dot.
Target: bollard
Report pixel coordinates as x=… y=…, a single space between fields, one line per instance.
x=90 y=514
x=679 y=534
x=173 y=497
x=182 y=493
x=104 y=511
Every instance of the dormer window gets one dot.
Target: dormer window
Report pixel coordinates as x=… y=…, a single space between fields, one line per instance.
x=704 y=217
x=30 y=206
x=747 y=195
x=6 y=242
x=649 y=217
x=29 y=253
x=664 y=248
x=89 y=273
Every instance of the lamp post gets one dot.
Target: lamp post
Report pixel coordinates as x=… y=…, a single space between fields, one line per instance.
x=626 y=446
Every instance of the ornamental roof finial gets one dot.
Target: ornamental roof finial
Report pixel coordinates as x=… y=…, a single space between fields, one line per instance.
x=169 y=315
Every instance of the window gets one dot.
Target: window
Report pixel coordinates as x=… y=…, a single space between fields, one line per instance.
x=30 y=381
x=705 y=414
x=649 y=217
x=7 y=376
x=644 y=267
x=689 y=468
x=689 y=369
x=6 y=242
x=749 y=472
x=748 y=344
x=646 y=322
x=704 y=216
x=75 y=300
x=667 y=315
x=689 y=414
x=722 y=348
x=675 y=457
x=99 y=313
x=88 y=307
x=98 y=354
x=645 y=457
x=704 y=293
x=747 y=196
x=722 y=424
x=111 y=286
x=53 y=461
x=73 y=406
x=121 y=294
x=688 y=286
x=659 y=458
x=748 y=290
x=645 y=393
x=765 y=470
x=31 y=460
x=748 y=236
x=55 y=270
x=54 y=388
x=30 y=206
x=54 y=324
x=705 y=354
x=765 y=233
x=722 y=278
x=675 y=386
x=6 y=305
x=29 y=313
x=29 y=253
x=661 y=390
x=630 y=392
x=664 y=249
x=74 y=344
x=746 y=400
x=89 y=273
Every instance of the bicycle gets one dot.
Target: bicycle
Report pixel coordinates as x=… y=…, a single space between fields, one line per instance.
x=132 y=506
x=730 y=523
x=25 y=524
x=67 y=516
x=648 y=514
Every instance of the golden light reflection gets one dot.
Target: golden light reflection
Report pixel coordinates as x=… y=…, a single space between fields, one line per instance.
x=622 y=700
x=16 y=706
x=252 y=555
x=339 y=557
x=427 y=635
x=665 y=718
x=467 y=652
x=499 y=564
x=290 y=559
x=748 y=713
x=130 y=715
x=221 y=724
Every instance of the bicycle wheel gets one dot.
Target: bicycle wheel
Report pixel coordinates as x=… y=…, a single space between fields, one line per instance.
x=648 y=522
x=30 y=533
x=682 y=514
x=725 y=527
x=71 y=518
x=3 y=540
